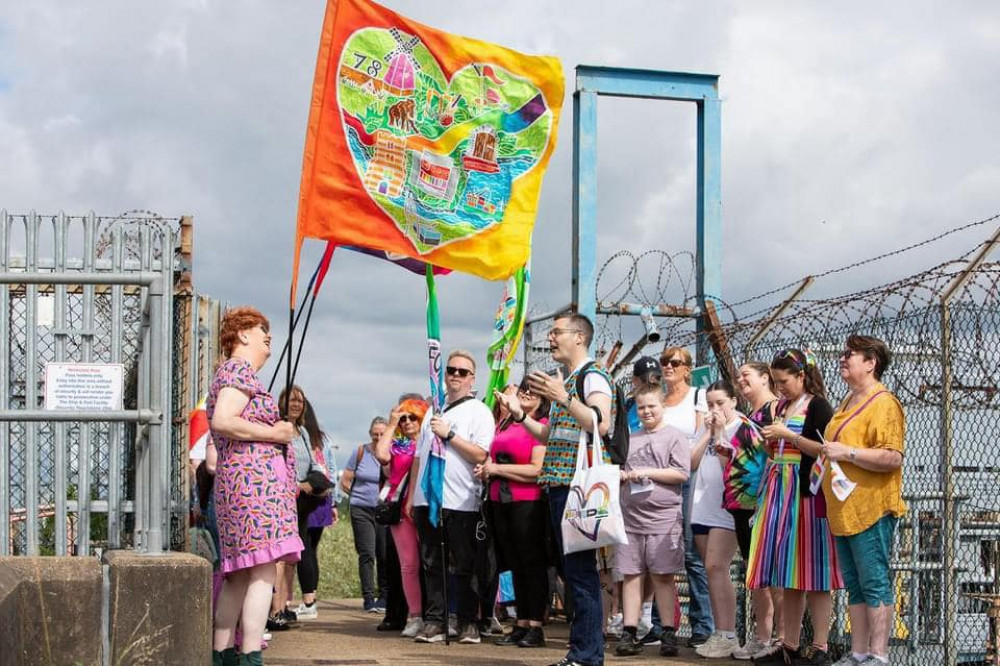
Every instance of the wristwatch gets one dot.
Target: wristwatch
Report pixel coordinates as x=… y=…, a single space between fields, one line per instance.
x=854 y=455
x=450 y=436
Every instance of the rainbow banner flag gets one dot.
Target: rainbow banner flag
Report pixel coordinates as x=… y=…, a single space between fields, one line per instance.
x=425 y=144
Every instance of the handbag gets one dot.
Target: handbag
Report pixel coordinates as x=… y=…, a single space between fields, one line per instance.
x=307 y=502
x=593 y=515
x=389 y=510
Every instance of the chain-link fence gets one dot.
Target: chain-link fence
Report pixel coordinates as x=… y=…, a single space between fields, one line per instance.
x=943 y=328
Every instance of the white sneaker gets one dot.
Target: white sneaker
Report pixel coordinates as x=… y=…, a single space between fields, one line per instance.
x=849 y=660
x=267 y=636
x=753 y=646
x=413 y=627
x=304 y=612
x=495 y=628
x=717 y=647
x=616 y=624
x=452 y=626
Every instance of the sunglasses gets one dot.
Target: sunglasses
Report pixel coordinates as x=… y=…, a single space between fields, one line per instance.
x=848 y=353
x=408 y=417
x=672 y=362
x=461 y=372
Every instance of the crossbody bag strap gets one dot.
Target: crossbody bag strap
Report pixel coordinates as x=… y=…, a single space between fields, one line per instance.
x=456 y=404
x=860 y=409
x=399 y=489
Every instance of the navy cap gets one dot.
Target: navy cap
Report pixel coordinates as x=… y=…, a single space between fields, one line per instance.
x=645 y=366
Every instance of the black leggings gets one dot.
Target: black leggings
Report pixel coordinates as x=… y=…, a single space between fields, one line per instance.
x=520 y=537
x=741 y=518
x=308 y=566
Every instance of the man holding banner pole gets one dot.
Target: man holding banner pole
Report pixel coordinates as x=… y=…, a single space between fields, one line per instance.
x=465 y=429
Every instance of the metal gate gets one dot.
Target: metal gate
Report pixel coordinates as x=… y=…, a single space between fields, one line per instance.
x=87 y=290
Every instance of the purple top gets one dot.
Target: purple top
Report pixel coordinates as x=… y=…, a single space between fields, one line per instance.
x=655 y=511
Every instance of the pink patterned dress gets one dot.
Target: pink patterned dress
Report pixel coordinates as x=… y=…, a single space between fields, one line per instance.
x=254 y=483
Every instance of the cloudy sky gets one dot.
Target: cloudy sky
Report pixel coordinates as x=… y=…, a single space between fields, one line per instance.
x=849 y=129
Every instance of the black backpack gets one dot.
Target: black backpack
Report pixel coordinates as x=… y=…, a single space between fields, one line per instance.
x=616 y=439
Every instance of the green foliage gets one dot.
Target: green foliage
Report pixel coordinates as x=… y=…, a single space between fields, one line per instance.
x=338 y=562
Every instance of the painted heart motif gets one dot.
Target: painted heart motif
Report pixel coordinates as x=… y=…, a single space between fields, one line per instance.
x=438 y=156
x=584 y=512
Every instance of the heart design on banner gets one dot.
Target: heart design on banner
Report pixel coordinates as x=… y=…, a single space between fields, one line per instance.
x=438 y=156
x=582 y=513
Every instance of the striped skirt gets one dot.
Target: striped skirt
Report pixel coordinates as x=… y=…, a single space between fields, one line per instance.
x=790 y=546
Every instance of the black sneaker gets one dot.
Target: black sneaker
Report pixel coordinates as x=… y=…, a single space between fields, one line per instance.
x=535 y=638
x=566 y=661
x=388 y=625
x=697 y=639
x=652 y=637
x=277 y=623
x=777 y=655
x=512 y=638
x=812 y=656
x=433 y=632
x=469 y=634
x=628 y=646
x=668 y=642
x=290 y=616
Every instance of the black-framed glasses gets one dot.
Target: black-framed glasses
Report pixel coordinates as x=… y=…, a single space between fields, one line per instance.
x=461 y=372
x=672 y=362
x=408 y=417
x=848 y=353
x=556 y=332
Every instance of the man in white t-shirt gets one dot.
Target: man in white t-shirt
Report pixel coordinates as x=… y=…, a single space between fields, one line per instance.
x=466 y=428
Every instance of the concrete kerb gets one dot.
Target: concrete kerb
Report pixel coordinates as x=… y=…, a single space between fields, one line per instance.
x=159 y=608
x=50 y=611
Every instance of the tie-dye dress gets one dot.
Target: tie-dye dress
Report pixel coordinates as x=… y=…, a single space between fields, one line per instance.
x=255 y=483
x=791 y=545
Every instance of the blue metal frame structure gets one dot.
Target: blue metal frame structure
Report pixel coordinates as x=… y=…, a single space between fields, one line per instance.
x=703 y=90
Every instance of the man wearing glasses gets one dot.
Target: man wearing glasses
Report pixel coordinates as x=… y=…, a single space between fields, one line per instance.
x=569 y=341
x=465 y=427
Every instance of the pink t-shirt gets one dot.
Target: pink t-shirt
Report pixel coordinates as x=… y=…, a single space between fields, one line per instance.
x=517 y=443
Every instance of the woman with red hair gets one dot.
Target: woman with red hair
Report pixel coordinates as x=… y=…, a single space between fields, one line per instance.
x=395 y=451
x=255 y=486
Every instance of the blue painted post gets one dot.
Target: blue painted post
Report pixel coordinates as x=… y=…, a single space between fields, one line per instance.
x=585 y=202
x=703 y=90
x=709 y=211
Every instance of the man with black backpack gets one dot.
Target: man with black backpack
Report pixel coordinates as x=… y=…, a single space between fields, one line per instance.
x=588 y=387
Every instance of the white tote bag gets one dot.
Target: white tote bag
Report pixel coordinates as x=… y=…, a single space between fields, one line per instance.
x=593 y=514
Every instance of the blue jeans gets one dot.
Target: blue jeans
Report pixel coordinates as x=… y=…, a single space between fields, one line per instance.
x=700 y=608
x=864 y=564
x=586 y=634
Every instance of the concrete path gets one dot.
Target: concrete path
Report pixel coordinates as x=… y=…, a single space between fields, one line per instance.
x=343 y=634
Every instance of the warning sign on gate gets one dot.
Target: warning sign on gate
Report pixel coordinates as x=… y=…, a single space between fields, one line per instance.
x=84 y=387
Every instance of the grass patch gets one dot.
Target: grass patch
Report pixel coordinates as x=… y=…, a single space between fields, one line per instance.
x=338 y=563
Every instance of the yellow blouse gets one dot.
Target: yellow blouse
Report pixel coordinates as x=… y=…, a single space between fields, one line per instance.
x=880 y=425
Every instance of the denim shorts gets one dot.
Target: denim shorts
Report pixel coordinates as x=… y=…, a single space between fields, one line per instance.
x=864 y=563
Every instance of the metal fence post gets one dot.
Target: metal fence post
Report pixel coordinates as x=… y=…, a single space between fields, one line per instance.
x=951 y=515
x=156 y=490
x=948 y=483
x=5 y=467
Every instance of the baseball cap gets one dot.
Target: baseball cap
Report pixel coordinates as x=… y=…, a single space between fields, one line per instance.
x=646 y=365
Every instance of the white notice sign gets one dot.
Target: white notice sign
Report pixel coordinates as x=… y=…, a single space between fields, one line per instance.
x=84 y=387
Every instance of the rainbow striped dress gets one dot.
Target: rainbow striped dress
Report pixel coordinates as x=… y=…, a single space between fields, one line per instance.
x=791 y=545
